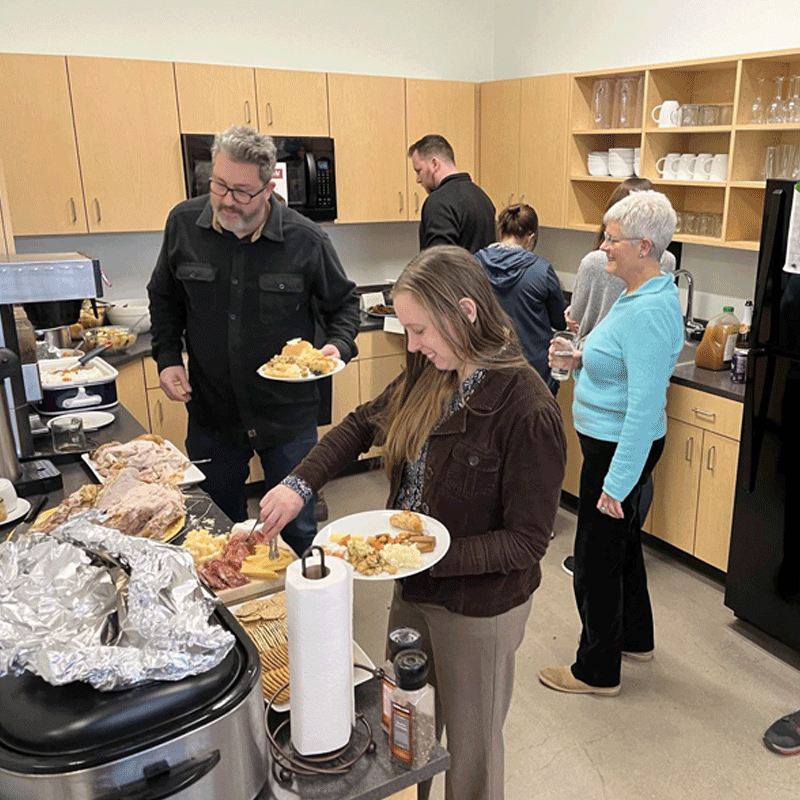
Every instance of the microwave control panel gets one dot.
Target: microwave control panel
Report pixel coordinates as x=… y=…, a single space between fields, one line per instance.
x=324 y=187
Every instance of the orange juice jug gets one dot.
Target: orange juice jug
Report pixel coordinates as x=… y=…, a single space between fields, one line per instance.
x=715 y=351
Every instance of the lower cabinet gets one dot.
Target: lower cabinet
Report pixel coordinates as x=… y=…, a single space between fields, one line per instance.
x=695 y=479
x=572 y=477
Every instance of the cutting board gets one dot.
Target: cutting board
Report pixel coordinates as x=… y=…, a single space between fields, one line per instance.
x=256 y=588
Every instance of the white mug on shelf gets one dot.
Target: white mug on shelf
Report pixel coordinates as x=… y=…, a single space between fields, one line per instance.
x=686 y=167
x=719 y=168
x=667 y=114
x=667 y=166
x=702 y=167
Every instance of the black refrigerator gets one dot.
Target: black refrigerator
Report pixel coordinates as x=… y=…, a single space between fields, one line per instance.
x=763 y=580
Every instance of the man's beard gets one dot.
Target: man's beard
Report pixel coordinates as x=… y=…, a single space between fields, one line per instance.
x=243 y=223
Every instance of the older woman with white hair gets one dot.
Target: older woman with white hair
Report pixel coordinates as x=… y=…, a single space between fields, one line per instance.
x=621 y=379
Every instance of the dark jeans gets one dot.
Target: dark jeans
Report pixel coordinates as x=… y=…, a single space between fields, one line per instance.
x=227 y=473
x=609 y=579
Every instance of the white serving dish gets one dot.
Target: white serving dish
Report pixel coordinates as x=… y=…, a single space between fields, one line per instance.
x=128 y=313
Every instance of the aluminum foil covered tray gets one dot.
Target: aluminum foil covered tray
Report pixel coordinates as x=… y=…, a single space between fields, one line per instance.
x=87 y=603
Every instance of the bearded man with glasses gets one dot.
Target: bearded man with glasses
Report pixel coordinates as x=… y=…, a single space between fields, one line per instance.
x=238 y=275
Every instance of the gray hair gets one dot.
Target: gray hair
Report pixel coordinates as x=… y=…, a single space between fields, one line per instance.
x=645 y=215
x=247 y=146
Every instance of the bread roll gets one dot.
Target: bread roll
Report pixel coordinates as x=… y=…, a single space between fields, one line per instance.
x=296 y=347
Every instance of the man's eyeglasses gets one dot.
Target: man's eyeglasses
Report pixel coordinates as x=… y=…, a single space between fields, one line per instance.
x=617 y=239
x=239 y=195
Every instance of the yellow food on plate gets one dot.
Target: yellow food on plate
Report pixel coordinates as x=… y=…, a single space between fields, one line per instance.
x=203 y=546
x=407 y=521
x=260 y=565
x=298 y=359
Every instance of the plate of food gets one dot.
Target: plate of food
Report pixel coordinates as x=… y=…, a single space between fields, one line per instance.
x=156 y=459
x=386 y=544
x=381 y=310
x=299 y=362
x=264 y=621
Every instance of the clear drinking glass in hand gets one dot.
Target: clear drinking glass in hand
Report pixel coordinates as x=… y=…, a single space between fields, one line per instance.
x=563 y=344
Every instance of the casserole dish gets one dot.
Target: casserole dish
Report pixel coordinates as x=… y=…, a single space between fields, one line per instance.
x=66 y=387
x=193 y=739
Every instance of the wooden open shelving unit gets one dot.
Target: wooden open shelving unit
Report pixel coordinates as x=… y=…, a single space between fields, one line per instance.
x=724 y=81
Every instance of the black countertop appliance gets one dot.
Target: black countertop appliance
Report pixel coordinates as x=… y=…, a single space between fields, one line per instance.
x=763 y=578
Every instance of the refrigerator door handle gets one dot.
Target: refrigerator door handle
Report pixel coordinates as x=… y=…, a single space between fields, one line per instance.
x=756 y=410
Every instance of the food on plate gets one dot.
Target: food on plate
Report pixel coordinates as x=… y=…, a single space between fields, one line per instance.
x=203 y=545
x=380 y=308
x=88 y=319
x=76 y=373
x=407 y=521
x=155 y=461
x=402 y=555
x=131 y=506
x=117 y=338
x=298 y=359
x=273 y=607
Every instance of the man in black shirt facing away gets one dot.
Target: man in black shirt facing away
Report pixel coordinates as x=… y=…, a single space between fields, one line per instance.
x=457 y=211
x=238 y=275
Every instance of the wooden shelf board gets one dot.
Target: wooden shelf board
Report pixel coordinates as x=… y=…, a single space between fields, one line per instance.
x=597 y=178
x=775 y=126
x=690 y=129
x=692 y=184
x=748 y=184
x=608 y=132
x=744 y=244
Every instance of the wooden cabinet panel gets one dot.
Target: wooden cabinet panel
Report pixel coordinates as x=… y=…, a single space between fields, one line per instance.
x=572 y=477
x=168 y=418
x=375 y=375
x=346 y=395
x=292 y=103
x=715 y=506
x=374 y=344
x=675 y=485
x=212 y=97
x=500 y=132
x=446 y=108
x=544 y=103
x=708 y=411
x=6 y=233
x=367 y=114
x=126 y=122
x=131 y=392
x=37 y=146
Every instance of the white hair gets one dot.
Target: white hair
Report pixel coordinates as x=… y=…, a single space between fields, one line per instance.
x=645 y=215
x=247 y=146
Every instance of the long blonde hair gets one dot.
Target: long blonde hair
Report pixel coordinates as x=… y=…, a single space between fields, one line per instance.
x=437 y=279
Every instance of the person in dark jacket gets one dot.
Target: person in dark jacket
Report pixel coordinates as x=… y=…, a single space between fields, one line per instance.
x=457 y=211
x=472 y=438
x=525 y=284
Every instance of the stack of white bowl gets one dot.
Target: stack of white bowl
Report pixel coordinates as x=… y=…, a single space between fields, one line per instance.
x=597 y=163
x=637 y=154
x=620 y=162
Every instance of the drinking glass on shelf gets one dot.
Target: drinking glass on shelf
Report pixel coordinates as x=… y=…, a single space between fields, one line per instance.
x=791 y=105
x=770 y=168
x=796 y=100
x=705 y=224
x=718 y=226
x=786 y=157
x=709 y=115
x=690 y=222
x=690 y=114
x=775 y=108
x=601 y=103
x=678 y=221
x=726 y=114
x=757 y=110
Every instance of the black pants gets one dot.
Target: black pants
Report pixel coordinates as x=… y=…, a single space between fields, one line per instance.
x=609 y=579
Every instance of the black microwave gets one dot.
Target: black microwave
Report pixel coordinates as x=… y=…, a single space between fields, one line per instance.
x=305 y=178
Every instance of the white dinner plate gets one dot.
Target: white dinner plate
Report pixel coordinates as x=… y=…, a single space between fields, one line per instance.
x=340 y=365
x=371 y=523
x=191 y=474
x=20 y=510
x=92 y=420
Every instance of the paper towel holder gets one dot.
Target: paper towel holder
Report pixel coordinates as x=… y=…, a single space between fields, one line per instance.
x=314 y=572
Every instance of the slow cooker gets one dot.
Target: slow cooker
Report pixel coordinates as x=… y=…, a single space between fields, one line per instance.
x=78 y=393
x=200 y=738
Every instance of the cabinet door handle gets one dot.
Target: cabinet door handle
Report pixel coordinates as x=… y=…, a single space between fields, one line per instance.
x=160 y=410
x=97 y=209
x=509 y=199
x=247 y=111
x=269 y=114
x=711 y=458
x=689 y=448
x=400 y=196
x=74 y=209
x=416 y=202
x=708 y=414
x=522 y=198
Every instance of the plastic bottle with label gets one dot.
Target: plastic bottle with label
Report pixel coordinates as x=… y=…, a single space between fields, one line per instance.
x=398 y=640
x=413 y=731
x=715 y=351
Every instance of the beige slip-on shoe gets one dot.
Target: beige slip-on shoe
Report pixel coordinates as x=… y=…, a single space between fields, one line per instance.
x=638 y=655
x=562 y=680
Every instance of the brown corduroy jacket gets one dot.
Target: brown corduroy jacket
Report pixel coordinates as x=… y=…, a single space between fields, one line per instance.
x=493 y=477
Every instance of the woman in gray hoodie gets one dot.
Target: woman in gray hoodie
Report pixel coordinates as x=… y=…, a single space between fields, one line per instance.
x=526 y=285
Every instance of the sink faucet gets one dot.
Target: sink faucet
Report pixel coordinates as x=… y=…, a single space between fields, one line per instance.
x=689 y=322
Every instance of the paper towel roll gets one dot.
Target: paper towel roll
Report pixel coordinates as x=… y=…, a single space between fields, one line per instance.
x=319 y=616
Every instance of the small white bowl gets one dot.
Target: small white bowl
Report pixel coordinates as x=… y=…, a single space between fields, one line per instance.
x=133 y=314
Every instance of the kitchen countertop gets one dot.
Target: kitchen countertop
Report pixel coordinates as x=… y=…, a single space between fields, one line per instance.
x=373 y=777
x=706 y=380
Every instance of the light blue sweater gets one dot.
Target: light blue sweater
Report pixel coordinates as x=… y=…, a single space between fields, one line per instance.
x=620 y=392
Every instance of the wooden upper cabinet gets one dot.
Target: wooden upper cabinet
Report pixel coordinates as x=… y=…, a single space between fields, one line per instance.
x=446 y=108
x=37 y=146
x=212 y=97
x=292 y=103
x=544 y=112
x=126 y=121
x=6 y=233
x=499 y=127
x=368 y=115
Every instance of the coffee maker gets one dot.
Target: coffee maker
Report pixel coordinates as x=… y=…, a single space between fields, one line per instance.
x=51 y=287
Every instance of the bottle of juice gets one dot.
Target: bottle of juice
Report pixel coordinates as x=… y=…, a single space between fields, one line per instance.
x=715 y=351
